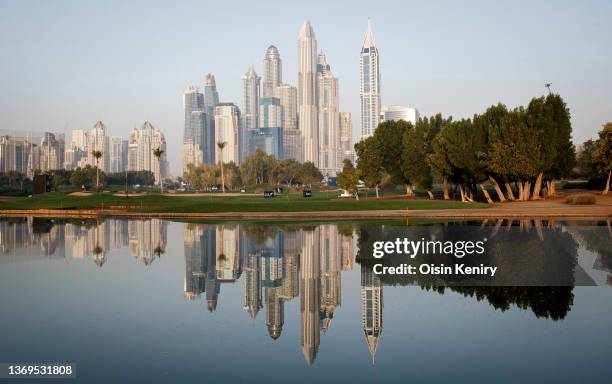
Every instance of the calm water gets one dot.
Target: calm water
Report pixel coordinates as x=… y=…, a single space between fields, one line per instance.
x=159 y=301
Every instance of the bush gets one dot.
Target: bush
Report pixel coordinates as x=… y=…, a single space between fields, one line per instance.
x=580 y=200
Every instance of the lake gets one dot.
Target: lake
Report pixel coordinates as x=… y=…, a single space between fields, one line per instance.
x=164 y=301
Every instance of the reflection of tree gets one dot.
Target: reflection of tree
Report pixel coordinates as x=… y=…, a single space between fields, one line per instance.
x=99 y=257
x=547 y=302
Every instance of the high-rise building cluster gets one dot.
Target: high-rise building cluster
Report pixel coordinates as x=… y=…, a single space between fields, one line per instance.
x=302 y=123
x=52 y=152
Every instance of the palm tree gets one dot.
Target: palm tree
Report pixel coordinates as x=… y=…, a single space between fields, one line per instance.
x=98 y=155
x=221 y=145
x=157 y=152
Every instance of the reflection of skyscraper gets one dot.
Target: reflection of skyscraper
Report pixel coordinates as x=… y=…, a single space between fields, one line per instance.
x=195 y=262
x=147 y=239
x=292 y=246
x=275 y=312
x=330 y=274
x=309 y=296
x=227 y=253
x=371 y=308
x=252 y=284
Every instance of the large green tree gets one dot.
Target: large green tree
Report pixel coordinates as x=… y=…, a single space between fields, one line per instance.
x=369 y=165
x=417 y=146
x=389 y=136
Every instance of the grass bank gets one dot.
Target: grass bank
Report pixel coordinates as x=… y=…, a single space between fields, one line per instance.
x=154 y=202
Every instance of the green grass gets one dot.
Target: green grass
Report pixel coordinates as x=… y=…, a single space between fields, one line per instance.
x=153 y=202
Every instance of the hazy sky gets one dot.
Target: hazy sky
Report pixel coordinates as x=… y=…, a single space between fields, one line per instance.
x=66 y=64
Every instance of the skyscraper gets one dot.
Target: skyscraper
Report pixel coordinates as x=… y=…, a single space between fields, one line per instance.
x=273 y=72
x=211 y=99
x=308 y=94
x=292 y=140
x=327 y=86
x=194 y=135
x=345 y=138
x=51 y=153
x=141 y=144
x=369 y=90
x=97 y=140
x=228 y=130
x=250 y=105
x=118 y=154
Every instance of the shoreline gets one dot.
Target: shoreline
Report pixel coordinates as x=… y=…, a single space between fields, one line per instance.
x=597 y=212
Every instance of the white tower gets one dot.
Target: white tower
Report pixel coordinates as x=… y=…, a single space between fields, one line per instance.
x=307 y=93
x=369 y=90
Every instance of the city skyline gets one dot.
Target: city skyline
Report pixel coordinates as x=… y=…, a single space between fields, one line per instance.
x=486 y=59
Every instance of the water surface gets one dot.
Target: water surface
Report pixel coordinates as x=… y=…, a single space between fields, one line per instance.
x=159 y=301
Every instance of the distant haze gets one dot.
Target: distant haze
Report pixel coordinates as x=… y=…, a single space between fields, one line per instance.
x=66 y=64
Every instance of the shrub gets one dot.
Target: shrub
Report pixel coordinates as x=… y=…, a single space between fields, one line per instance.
x=580 y=200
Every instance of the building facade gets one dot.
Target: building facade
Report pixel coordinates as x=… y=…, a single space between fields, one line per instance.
x=397 y=112
x=228 y=131
x=329 y=117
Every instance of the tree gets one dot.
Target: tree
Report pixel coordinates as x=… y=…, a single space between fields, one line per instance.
x=602 y=156
x=310 y=174
x=232 y=173
x=490 y=125
x=417 y=145
x=439 y=161
x=549 y=118
x=516 y=155
x=389 y=141
x=348 y=178
x=97 y=155
x=369 y=166
x=86 y=176
x=221 y=145
x=289 y=171
x=158 y=152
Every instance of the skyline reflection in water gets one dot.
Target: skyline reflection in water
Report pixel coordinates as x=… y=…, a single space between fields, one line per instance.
x=276 y=266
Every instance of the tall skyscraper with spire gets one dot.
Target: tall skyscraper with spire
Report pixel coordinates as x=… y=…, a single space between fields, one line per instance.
x=272 y=72
x=329 y=118
x=308 y=93
x=369 y=90
x=211 y=99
